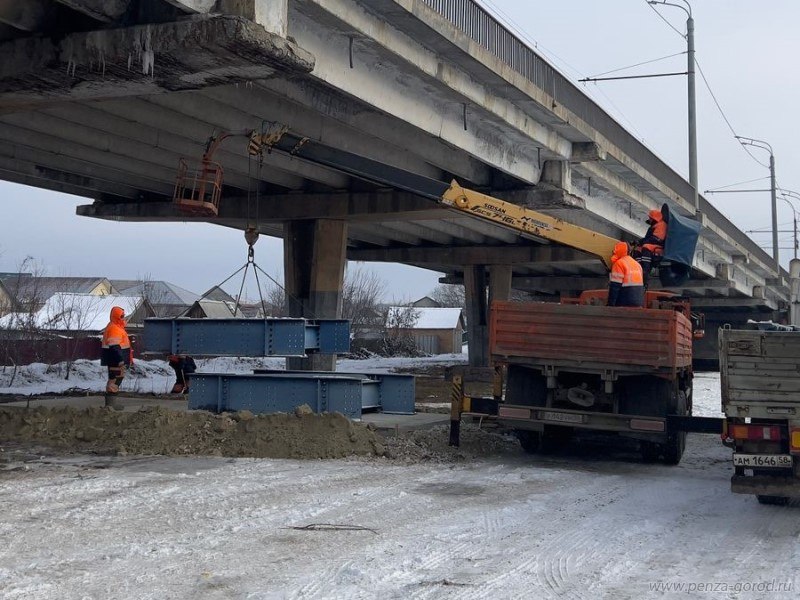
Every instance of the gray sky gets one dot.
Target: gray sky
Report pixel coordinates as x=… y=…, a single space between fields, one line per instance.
x=747 y=49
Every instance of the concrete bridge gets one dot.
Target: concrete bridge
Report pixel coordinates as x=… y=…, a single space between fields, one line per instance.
x=102 y=98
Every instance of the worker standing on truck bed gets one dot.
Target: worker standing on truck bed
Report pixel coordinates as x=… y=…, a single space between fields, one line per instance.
x=626 y=285
x=652 y=244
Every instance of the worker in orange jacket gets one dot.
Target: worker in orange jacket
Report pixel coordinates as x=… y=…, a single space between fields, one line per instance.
x=652 y=244
x=116 y=352
x=626 y=285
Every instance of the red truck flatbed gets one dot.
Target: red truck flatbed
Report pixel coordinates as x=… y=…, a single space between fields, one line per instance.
x=606 y=337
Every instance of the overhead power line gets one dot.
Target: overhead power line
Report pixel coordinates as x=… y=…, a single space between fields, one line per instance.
x=646 y=62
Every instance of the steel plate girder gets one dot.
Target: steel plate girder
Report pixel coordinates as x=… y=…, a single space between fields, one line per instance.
x=220 y=392
x=390 y=392
x=246 y=337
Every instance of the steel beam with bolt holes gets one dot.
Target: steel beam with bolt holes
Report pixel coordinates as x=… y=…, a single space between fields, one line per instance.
x=388 y=392
x=345 y=393
x=246 y=337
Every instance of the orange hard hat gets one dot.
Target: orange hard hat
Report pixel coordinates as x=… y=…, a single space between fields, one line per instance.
x=655 y=215
x=620 y=249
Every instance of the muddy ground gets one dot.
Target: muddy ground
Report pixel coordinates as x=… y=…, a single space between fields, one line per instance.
x=161 y=431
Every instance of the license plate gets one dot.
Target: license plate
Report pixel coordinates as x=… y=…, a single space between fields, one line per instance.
x=560 y=417
x=780 y=461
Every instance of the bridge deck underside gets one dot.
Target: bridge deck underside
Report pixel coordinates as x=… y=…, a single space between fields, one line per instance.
x=109 y=115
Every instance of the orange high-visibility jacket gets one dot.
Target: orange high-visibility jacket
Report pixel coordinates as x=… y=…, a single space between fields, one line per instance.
x=626 y=282
x=656 y=234
x=116 y=346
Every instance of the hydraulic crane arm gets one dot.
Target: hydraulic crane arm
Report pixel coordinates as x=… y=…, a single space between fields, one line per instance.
x=526 y=221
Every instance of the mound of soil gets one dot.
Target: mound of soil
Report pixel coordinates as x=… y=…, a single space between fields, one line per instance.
x=431 y=445
x=157 y=430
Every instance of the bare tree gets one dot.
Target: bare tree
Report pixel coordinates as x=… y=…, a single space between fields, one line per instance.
x=155 y=295
x=71 y=316
x=397 y=341
x=449 y=295
x=19 y=326
x=361 y=295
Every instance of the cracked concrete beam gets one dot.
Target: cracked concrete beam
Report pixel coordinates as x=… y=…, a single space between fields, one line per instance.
x=272 y=15
x=145 y=59
x=99 y=10
x=587 y=152
x=32 y=15
x=194 y=6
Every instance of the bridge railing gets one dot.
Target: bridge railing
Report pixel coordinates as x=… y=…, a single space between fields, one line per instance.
x=484 y=29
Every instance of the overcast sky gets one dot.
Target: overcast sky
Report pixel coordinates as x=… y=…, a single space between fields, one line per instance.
x=748 y=50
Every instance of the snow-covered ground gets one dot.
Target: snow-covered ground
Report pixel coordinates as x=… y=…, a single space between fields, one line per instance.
x=590 y=524
x=155 y=376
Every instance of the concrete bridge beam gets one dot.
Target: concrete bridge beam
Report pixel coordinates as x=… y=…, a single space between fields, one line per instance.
x=191 y=54
x=105 y=11
x=31 y=15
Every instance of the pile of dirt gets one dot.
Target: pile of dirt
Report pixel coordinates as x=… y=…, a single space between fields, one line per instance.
x=431 y=445
x=157 y=430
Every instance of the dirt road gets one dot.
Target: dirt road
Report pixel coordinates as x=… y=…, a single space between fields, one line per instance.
x=578 y=526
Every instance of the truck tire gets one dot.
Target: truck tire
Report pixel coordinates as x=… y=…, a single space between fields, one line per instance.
x=773 y=500
x=676 y=442
x=554 y=438
x=529 y=440
x=525 y=387
x=654 y=397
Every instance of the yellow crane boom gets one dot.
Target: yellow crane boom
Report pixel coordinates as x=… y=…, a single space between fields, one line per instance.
x=524 y=220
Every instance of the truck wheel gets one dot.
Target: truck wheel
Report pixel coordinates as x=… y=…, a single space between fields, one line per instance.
x=676 y=442
x=525 y=387
x=773 y=500
x=554 y=438
x=529 y=440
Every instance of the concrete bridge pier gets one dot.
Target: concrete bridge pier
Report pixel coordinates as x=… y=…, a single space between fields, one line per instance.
x=476 y=286
x=314 y=261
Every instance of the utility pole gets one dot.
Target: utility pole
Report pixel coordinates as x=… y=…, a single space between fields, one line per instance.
x=746 y=141
x=773 y=191
x=692 y=110
x=785 y=195
x=692 y=103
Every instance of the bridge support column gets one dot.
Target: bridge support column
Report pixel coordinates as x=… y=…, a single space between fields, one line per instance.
x=314 y=260
x=499 y=283
x=477 y=315
x=272 y=15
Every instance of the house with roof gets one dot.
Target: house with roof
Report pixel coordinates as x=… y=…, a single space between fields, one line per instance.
x=22 y=292
x=434 y=330
x=167 y=299
x=66 y=327
x=213 y=309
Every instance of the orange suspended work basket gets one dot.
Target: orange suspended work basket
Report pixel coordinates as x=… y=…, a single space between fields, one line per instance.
x=197 y=191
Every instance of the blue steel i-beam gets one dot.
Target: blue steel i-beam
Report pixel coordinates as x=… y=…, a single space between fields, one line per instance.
x=221 y=392
x=246 y=337
x=392 y=393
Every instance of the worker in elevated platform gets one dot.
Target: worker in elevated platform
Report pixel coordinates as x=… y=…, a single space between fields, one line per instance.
x=116 y=353
x=651 y=246
x=626 y=284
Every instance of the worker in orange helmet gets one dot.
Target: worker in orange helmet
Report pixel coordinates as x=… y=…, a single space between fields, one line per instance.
x=652 y=244
x=626 y=285
x=116 y=353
